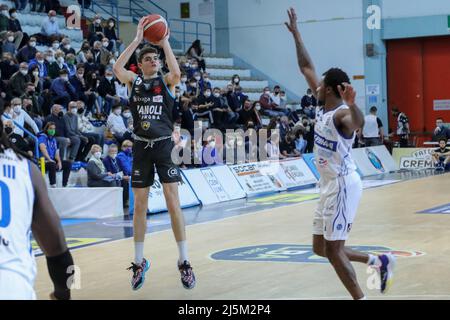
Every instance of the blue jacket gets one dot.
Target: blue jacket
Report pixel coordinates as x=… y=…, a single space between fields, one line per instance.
x=43 y=71
x=62 y=88
x=125 y=162
x=50 y=143
x=111 y=165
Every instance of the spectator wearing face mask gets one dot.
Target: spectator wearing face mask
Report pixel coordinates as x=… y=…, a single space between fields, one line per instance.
x=114 y=167
x=308 y=135
x=18 y=141
x=66 y=46
x=62 y=90
x=8 y=66
x=195 y=51
x=14 y=26
x=193 y=90
x=28 y=52
x=287 y=147
x=74 y=134
x=57 y=65
x=116 y=125
x=107 y=90
x=236 y=99
x=50 y=29
x=209 y=153
x=127 y=118
x=70 y=61
x=194 y=71
x=125 y=158
x=270 y=108
x=49 y=149
x=40 y=62
x=86 y=127
x=98 y=177
x=19 y=80
x=205 y=83
x=235 y=81
x=309 y=104
x=96 y=31
x=31 y=106
x=20 y=117
x=300 y=142
x=5 y=26
x=183 y=84
x=85 y=48
x=249 y=114
x=8 y=43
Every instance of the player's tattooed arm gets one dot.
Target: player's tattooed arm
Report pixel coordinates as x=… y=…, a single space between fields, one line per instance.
x=125 y=76
x=304 y=60
x=352 y=119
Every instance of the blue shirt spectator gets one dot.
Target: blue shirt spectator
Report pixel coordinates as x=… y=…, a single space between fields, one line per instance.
x=51 y=144
x=125 y=158
x=40 y=62
x=50 y=25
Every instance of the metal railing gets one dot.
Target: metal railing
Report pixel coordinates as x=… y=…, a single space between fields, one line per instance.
x=142 y=11
x=188 y=35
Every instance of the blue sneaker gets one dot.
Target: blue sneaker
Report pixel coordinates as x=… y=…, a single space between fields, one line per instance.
x=386 y=271
x=138 y=278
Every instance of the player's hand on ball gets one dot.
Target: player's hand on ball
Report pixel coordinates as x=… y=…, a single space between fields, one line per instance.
x=140 y=30
x=348 y=94
x=161 y=43
x=292 y=25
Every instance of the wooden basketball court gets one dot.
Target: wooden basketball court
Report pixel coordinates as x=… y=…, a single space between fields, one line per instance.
x=387 y=217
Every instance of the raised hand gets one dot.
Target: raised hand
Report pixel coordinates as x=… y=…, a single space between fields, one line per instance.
x=348 y=94
x=140 y=30
x=292 y=25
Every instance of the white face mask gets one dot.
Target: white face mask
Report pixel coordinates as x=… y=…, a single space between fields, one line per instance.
x=40 y=61
x=112 y=61
x=183 y=80
x=117 y=112
x=113 y=155
x=11 y=38
x=236 y=80
x=74 y=110
x=61 y=59
x=127 y=115
x=197 y=78
x=111 y=24
x=35 y=73
x=97 y=155
x=194 y=85
x=17 y=109
x=14 y=15
x=24 y=72
x=258 y=107
x=50 y=59
x=105 y=44
x=206 y=79
x=178 y=95
x=65 y=78
x=67 y=46
x=55 y=46
x=98 y=21
x=109 y=78
x=33 y=44
x=207 y=94
x=52 y=19
x=217 y=95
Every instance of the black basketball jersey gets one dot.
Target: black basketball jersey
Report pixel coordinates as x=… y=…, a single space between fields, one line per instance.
x=151 y=105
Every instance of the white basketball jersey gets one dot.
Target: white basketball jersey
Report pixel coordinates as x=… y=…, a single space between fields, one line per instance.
x=332 y=151
x=16 y=199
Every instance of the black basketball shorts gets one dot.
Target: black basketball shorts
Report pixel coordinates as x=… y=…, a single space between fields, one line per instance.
x=145 y=160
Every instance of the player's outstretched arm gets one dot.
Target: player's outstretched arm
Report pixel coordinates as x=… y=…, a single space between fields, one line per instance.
x=47 y=231
x=174 y=75
x=304 y=60
x=125 y=76
x=349 y=120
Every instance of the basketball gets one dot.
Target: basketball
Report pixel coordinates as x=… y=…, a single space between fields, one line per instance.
x=155 y=28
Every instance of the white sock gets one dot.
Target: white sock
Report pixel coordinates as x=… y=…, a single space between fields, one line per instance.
x=374 y=261
x=182 y=249
x=138 y=252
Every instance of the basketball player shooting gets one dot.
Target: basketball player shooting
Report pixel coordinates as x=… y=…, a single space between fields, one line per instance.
x=151 y=103
x=340 y=184
x=26 y=207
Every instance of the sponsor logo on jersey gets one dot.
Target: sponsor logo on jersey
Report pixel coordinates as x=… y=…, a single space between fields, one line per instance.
x=172 y=172
x=374 y=160
x=138 y=81
x=157 y=90
x=298 y=253
x=147 y=112
x=322 y=162
x=325 y=143
x=145 y=125
x=158 y=99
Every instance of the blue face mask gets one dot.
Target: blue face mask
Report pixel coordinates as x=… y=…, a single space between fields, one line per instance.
x=128 y=150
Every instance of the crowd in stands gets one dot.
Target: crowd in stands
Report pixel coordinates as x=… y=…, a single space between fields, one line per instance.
x=65 y=97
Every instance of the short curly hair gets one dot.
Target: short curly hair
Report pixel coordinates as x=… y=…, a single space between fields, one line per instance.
x=335 y=77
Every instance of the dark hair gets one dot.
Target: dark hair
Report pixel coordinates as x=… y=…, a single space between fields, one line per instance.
x=144 y=51
x=195 y=45
x=373 y=109
x=48 y=125
x=439 y=118
x=443 y=139
x=63 y=71
x=12 y=10
x=6 y=144
x=335 y=77
x=395 y=110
